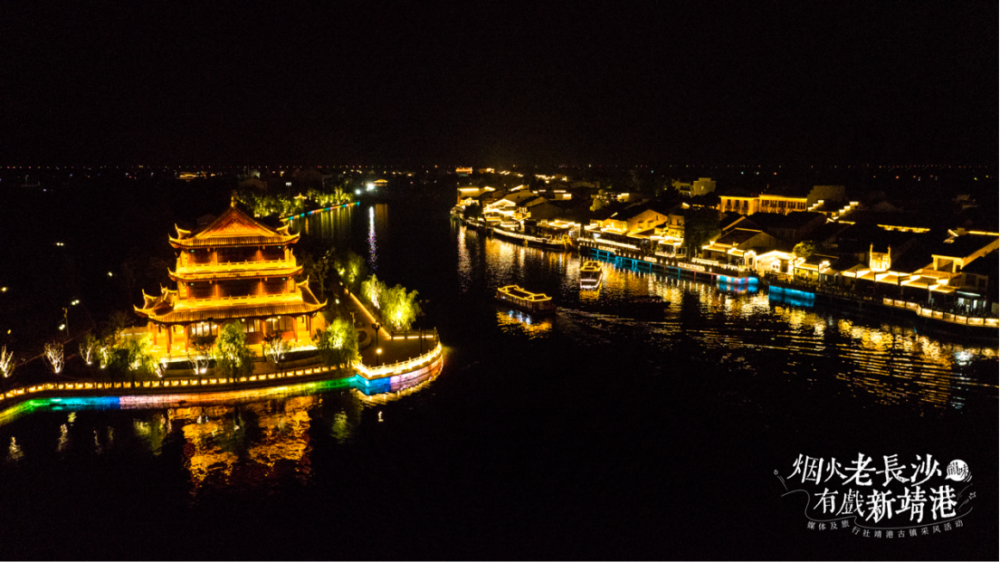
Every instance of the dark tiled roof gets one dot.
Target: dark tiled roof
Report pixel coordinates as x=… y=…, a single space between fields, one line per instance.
x=654 y=205
x=912 y=220
x=788 y=191
x=830 y=231
x=963 y=246
x=988 y=265
x=737 y=237
x=791 y=220
x=734 y=192
x=912 y=261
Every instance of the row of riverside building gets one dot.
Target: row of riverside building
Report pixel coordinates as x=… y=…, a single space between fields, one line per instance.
x=946 y=260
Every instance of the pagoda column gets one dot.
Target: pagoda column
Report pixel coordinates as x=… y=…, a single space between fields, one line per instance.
x=170 y=340
x=187 y=338
x=295 y=328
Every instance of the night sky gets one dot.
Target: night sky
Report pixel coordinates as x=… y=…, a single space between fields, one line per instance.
x=496 y=83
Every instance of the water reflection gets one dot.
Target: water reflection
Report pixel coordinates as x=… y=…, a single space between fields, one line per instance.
x=756 y=333
x=14 y=452
x=254 y=445
x=153 y=432
x=333 y=225
x=378 y=230
x=337 y=226
x=241 y=444
x=516 y=322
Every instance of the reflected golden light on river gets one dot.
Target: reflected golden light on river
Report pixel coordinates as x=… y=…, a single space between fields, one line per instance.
x=892 y=363
x=220 y=452
x=513 y=321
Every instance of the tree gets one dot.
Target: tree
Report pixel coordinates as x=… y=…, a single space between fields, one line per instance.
x=338 y=344
x=601 y=201
x=6 y=363
x=701 y=226
x=399 y=308
x=129 y=356
x=140 y=360
x=111 y=334
x=199 y=353
x=275 y=348
x=88 y=348
x=55 y=357
x=805 y=250
x=473 y=211
x=318 y=271
x=372 y=290
x=232 y=356
x=351 y=268
x=112 y=346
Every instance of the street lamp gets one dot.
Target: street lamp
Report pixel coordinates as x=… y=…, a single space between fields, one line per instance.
x=376 y=326
x=66 y=318
x=379 y=353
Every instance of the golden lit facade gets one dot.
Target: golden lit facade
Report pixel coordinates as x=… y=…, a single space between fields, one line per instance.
x=879 y=262
x=234 y=269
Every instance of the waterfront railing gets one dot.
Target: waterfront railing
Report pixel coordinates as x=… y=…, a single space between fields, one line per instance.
x=401 y=367
x=943 y=316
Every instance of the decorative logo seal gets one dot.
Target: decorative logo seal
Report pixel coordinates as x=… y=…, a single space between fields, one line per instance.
x=958 y=471
x=890 y=500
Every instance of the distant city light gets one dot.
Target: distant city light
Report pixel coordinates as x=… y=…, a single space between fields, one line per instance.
x=62 y=327
x=110 y=275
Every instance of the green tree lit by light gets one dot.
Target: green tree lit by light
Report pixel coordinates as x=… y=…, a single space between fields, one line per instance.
x=805 y=250
x=232 y=356
x=354 y=269
x=372 y=289
x=137 y=354
x=338 y=344
x=399 y=308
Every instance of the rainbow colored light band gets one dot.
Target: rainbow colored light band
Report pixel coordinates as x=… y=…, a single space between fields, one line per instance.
x=356 y=382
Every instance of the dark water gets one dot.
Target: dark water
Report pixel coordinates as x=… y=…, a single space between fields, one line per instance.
x=611 y=430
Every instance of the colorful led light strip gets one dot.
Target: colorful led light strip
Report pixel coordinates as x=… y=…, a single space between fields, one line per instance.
x=303 y=215
x=356 y=382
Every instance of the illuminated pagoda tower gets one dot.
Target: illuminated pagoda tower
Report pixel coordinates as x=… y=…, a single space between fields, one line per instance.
x=233 y=269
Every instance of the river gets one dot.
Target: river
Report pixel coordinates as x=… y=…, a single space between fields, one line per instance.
x=608 y=430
